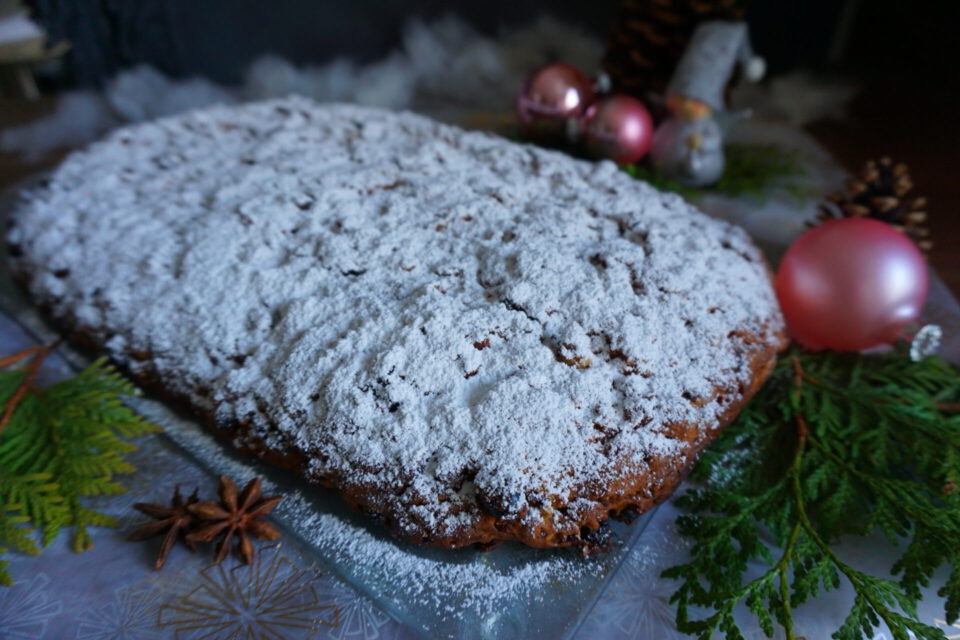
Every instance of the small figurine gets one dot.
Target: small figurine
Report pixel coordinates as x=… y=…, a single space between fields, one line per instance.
x=688 y=146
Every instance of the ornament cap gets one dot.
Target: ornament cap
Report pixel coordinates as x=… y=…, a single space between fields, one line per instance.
x=925 y=342
x=602 y=83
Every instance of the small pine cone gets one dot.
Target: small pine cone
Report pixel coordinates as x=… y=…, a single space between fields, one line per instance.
x=884 y=204
x=855 y=210
x=880 y=191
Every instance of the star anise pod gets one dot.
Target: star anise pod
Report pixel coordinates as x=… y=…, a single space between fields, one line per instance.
x=236 y=517
x=173 y=520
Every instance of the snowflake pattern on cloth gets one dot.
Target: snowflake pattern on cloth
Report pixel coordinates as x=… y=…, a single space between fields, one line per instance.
x=637 y=601
x=27 y=608
x=360 y=619
x=131 y=615
x=270 y=598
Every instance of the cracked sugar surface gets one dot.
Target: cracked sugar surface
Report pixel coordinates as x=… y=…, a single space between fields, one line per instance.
x=442 y=313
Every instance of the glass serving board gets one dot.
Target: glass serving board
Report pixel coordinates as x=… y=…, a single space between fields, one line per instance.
x=512 y=591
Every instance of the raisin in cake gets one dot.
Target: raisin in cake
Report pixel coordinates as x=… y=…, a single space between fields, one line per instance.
x=471 y=340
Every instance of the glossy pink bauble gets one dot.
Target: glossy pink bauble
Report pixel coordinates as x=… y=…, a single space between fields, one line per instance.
x=618 y=127
x=550 y=96
x=851 y=284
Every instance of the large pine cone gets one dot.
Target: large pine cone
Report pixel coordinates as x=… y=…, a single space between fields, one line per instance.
x=650 y=36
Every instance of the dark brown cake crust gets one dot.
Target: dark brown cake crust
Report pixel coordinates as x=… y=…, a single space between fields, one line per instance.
x=634 y=495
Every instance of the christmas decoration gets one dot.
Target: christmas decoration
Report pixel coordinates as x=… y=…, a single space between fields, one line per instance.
x=688 y=145
x=833 y=445
x=715 y=51
x=51 y=461
x=550 y=97
x=173 y=521
x=688 y=148
x=617 y=127
x=925 y=342
x=649 y=37
x=558 y=106
x=882 y=191
x=274 y=599
x=235 y=516
x=851 y=284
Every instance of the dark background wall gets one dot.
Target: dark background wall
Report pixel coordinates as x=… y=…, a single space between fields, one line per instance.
x=219 y=38
x=904 y=54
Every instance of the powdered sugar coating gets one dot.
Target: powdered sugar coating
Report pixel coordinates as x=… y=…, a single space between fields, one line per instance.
x=437 y=313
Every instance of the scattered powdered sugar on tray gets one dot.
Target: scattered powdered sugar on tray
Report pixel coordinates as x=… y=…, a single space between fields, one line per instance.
x=466 y=324
x=452 y=589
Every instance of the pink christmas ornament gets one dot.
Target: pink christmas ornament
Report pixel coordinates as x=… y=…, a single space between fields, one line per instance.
x=550 y=96
x=617 y=127
x=851 y=284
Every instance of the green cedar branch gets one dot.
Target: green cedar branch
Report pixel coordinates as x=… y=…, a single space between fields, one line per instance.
x=752 y=170
x=60 y=446
x=833 y=445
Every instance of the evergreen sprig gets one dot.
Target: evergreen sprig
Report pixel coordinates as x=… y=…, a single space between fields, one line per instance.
x=833 y=445
x=754 y=170
x=59 y=446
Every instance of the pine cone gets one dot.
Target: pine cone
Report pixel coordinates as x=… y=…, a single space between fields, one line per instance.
x=650 y=36
x=881 y=191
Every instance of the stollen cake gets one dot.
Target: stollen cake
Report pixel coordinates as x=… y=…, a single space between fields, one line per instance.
x=471 y=340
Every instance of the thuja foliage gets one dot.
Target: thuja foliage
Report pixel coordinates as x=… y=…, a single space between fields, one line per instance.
x=753 y=170
x=833 y=446
x=60 y=446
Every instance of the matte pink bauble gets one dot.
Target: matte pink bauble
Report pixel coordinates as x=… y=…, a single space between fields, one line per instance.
x=618 y=127
x=851 y=284
x=550 y=96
